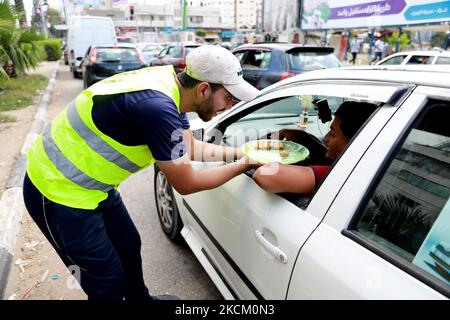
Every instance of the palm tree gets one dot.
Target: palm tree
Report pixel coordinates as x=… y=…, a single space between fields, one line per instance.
x=13 y=54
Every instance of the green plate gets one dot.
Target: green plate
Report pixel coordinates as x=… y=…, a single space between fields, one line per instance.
x=297 y=152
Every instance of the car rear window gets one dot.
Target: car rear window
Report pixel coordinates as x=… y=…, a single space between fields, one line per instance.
x=123 y=55
x=309 y=61
x=189 y=49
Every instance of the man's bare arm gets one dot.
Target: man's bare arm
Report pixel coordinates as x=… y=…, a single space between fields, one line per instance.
x=186 y=180
x=208 y=152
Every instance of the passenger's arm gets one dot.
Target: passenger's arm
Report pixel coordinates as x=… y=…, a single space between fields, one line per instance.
x=277 y=178
x=186 y=180
x=203 y=151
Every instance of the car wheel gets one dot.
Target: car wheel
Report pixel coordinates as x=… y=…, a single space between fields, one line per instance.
x=169 y=217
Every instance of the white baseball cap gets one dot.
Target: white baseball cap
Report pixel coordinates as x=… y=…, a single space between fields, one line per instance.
x=218 y=65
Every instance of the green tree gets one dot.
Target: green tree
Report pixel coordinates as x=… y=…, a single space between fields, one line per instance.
x=404 y=41
x=438 y=39
x=16 y=54
x=200 y=32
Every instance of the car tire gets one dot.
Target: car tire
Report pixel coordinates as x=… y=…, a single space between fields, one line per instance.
x=75 y=74
x=166 y=206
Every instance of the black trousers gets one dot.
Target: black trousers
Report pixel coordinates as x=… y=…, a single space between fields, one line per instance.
x=100 y=247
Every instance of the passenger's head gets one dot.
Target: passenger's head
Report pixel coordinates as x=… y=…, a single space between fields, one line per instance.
x=217 y=77
x=348 y=118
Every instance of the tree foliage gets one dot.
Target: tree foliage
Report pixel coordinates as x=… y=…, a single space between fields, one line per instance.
x=16 y=53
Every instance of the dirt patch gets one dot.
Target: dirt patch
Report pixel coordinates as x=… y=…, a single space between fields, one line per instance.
x=37 y=272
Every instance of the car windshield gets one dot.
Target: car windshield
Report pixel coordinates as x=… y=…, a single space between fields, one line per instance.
x=151 y=47
x=309 y=61
x=189 y=49
x=123 y=55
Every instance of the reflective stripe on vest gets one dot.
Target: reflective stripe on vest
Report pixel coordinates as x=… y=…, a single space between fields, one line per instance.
x=67 y=168
x=73 y=163
x=96 y=143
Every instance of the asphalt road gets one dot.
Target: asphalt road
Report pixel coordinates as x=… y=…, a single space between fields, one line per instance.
x=168 y=267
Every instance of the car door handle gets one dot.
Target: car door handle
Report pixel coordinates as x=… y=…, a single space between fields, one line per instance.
x=275 y=251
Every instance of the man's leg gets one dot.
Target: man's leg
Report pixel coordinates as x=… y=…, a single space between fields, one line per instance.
x=127 y=242
x=80 y=239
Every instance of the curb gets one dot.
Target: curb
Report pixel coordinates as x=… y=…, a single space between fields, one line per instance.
x=11 y=202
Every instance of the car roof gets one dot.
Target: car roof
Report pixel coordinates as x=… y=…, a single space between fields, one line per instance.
x=119 y=45
x=422 y=53
x=284 y=46
x=427 y=75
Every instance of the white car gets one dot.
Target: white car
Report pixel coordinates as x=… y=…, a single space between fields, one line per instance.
x=431 y=57
x=369 y=229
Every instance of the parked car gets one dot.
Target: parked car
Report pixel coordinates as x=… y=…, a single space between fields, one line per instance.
x=125 y=39
x=430 y=57
x=174 y=54
x=80 y=37
x=266 y=63
x=368 y=230
x=103 y=61
x=150 y=50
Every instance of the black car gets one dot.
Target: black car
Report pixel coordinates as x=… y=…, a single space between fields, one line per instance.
x=103 y=61
x=266 y=63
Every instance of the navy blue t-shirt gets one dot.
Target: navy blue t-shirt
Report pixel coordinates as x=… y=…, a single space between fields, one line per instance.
x=142 y=117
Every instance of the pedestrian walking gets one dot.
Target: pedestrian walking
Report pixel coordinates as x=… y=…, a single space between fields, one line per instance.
x=111 y=130
x=354 y=48
x=379 y=50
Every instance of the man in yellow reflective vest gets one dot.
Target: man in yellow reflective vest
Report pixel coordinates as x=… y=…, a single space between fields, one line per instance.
x=111 y=130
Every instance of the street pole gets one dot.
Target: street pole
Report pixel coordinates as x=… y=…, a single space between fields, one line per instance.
x=397 y=43
x=183 y=12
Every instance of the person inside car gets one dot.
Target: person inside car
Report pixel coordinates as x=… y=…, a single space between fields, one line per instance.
x=348 y=118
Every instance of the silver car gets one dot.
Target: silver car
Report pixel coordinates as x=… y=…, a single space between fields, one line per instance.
x=370 y=231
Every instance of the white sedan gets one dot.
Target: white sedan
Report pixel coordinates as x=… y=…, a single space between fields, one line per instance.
x=378 y=227
x=430 y=57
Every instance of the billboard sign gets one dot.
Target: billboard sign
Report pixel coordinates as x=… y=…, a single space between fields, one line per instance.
x=94 y=3
x=342 y=14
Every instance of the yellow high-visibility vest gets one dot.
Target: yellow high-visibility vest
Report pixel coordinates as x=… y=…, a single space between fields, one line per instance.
x=73 y=163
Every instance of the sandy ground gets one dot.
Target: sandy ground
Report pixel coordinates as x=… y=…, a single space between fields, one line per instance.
x=37 y=272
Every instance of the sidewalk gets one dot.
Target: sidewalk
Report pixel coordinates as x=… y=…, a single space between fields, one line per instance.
x=36 y=270
x=14 y=137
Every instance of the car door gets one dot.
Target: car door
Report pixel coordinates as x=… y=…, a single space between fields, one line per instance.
x=386 y=234
x=253 y=237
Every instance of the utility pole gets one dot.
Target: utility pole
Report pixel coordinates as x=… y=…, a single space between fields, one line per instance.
x=183 y=13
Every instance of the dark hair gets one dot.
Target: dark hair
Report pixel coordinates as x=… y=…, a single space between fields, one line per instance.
x=353 y=114
x=188 y=82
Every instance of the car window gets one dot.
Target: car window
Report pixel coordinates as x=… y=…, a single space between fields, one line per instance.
x=189 y=49
x=308 y=61
x=123 y=55
x=420 y=60
x=299 y=111
x=394 y=60
x=443 y=60
x=175 y=52
x=409 y=211
x=239 y=55
x=256 y=59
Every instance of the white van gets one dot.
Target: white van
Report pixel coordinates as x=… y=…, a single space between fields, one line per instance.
x=85 y=31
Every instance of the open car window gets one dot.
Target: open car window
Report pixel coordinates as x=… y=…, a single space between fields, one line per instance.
x=299 y=109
